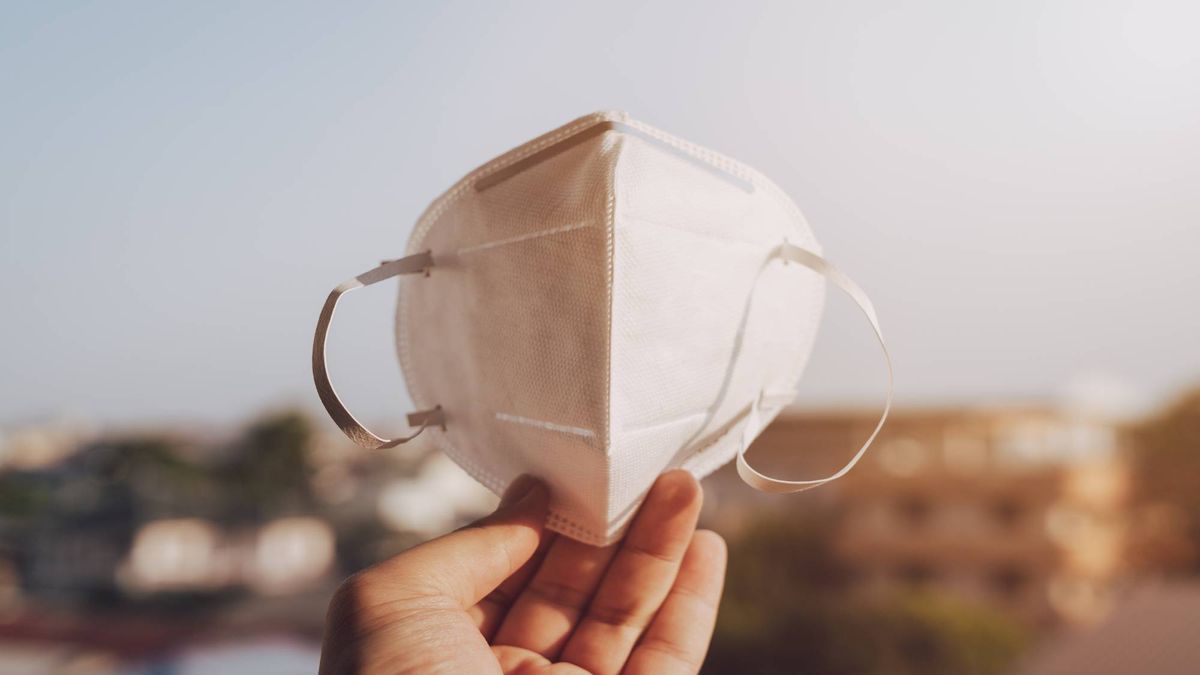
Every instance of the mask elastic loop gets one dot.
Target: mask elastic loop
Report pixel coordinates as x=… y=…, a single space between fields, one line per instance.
x=753 y=425
x=413 y=264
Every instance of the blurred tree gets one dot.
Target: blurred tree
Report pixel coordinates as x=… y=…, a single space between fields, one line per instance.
x=66 y=528
x=1166 y=460
x=787 y=609
x=270 y=468
x=22 y=495
x=79 y=529
x=150 y=473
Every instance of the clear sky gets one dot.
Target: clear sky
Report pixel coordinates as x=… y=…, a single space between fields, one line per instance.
x=1016 y=184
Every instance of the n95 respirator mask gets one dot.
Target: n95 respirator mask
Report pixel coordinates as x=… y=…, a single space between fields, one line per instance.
x=600 y=305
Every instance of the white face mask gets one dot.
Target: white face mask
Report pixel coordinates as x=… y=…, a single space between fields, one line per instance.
x=598 y=306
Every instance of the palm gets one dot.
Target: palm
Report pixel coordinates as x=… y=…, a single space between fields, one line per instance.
x=645 y=605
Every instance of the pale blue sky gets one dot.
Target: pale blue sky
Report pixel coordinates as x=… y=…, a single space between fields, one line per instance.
x=181 y=184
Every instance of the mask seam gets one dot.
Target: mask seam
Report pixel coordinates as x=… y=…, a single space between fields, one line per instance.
x=573 y=529
x=546 y=425
x=610 y=276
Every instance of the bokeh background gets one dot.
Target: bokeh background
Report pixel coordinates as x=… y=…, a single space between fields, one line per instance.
x=1014 y=184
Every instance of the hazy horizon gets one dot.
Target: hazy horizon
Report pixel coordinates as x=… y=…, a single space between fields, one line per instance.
x=1014 y=185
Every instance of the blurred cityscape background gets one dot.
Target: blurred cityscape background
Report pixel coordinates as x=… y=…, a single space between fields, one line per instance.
x=972 y=540
x=1013 y=183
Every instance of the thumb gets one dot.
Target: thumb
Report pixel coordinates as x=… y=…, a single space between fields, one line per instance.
x=469 y=563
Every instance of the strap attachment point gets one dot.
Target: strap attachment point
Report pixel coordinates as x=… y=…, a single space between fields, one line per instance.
x=434 y=417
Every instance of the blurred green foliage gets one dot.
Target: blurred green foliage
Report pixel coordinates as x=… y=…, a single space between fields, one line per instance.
x=788 y=609
x=270 y=470
x=21 y=496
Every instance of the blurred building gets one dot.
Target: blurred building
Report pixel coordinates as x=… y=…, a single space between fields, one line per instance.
x=1151 y=630
x=1021 y=509
x=275 y=512
x=164 y=550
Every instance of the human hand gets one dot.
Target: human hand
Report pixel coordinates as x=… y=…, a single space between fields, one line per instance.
x=505 y=596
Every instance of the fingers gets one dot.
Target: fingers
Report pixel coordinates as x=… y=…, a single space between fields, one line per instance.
x=495 y=606
x=678 y=638
x=547 y=610
x=639 y=577
x=516 y=661
x=470 y=563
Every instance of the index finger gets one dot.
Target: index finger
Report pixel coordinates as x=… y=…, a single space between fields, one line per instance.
x=467 y=564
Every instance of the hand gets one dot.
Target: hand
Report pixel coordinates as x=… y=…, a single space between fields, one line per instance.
x=503 y=596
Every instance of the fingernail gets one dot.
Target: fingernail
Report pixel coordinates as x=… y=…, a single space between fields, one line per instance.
x=519 y=489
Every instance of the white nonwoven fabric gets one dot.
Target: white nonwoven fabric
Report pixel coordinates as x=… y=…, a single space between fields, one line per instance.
x=600 y=305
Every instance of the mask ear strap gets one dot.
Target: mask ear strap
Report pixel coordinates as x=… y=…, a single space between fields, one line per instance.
x=413 y=264
x=753 y=425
